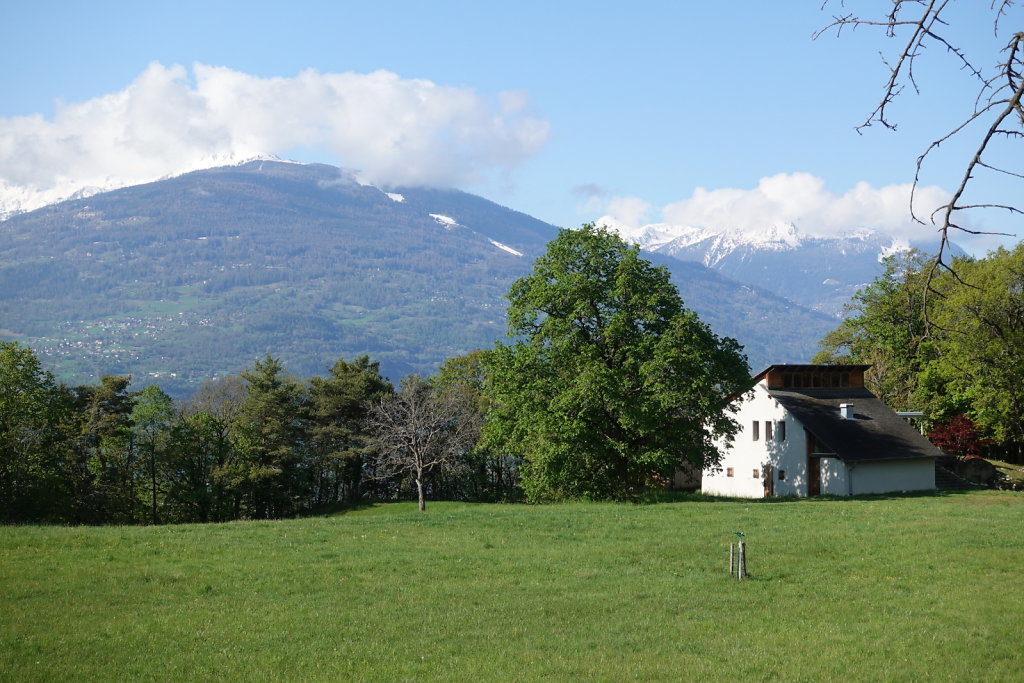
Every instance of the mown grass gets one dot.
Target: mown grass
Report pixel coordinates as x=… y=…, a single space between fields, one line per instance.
x=923 y=587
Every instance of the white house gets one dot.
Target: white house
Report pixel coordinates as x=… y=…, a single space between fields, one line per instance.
x=808 y=430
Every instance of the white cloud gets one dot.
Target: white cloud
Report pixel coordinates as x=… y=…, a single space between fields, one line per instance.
x=801 y=199
x=629 y=210
x=797 y=198
x=393 y=130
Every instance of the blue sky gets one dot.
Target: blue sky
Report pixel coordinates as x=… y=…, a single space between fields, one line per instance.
x=567 y=111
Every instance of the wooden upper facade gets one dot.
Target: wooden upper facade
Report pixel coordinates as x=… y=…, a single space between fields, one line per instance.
x=813 y=376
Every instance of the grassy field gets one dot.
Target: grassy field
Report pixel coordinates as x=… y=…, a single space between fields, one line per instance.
x=901 y=588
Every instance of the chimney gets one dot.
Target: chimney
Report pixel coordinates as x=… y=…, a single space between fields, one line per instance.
x=846 y=411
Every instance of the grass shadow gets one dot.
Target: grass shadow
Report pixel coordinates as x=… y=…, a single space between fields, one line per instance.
x=344 y=508
x=664 y=496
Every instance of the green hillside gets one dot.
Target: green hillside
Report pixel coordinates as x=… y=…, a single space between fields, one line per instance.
x=908 y=588
x=195 y=276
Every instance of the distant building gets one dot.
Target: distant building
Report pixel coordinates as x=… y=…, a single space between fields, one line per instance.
x=808 y=430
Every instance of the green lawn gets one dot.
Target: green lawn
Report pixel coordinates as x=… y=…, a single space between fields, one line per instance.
x=905 y=588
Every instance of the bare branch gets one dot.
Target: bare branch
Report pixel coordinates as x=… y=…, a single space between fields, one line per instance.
x=421 y=429
x=1002 y=170
x=999 y=101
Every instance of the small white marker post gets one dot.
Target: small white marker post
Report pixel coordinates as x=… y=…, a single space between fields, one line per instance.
x=741 y=559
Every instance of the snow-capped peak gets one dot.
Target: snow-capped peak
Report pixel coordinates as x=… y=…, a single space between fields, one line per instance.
x=711 y=247
x=16 y=199
x=655 y=236
x=648 y=237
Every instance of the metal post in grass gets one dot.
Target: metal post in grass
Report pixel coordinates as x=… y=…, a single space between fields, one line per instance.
x=741 y=560
x=732 y=561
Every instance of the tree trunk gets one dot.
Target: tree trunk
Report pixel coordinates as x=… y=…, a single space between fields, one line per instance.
x=419 y=491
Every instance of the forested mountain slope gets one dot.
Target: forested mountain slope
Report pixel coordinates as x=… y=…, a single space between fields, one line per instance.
x=194 y=276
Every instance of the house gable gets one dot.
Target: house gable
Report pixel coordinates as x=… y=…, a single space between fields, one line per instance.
x=792 y=427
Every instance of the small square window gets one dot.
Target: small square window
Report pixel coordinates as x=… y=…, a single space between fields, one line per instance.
x=757 y=474
x=757 y=430
x=728 y=471
x=780 y=430
x=782 y=475
x=767 y=431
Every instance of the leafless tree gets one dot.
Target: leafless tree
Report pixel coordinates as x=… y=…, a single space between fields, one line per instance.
x=994 y=119
x=422 y=429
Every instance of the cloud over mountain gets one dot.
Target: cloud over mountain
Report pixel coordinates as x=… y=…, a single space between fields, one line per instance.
x=393 y=130
x=797 y=198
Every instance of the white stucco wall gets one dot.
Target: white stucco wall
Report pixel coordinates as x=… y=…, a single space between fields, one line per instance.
x=834 y=477
x=790 y=456
x=746 y=454
x=899 y=475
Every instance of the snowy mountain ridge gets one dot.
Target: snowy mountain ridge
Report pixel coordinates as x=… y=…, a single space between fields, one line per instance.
x=15 y=199
x=778 y=236
x=821 y=272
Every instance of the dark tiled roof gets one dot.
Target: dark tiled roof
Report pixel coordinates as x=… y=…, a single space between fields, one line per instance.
x=877 y=433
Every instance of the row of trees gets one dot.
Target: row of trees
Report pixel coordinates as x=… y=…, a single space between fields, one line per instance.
x=257 y=445
x=948 y=343
x=608 y=385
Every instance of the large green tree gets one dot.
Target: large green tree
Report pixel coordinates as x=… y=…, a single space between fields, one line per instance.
x=107 y=469
x=609 y=383
x=152 y=418
x=198 y=471
x=32 y=410
x=493 y=475
x=270 y=435
x=339 y=403
x=886 y=327
x=954 y=346
x=980 y=320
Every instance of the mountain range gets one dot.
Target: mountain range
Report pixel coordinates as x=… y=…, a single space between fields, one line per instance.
x=196 y=276
x=819 y=272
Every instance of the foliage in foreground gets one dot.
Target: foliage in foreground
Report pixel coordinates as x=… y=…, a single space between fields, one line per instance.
x=953 y=347
x=916 y=588
x=610 y=383
x=260 y=445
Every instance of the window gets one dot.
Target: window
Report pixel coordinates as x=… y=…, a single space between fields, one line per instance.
x=780 y=430
x=787 y=380
x=757 y=474
x=782 y=475
x=767 y=430
x=757 y=430
x=728 y=471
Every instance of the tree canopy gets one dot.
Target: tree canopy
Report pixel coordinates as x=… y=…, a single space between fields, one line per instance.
x=969 y=360
x=609 y=383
